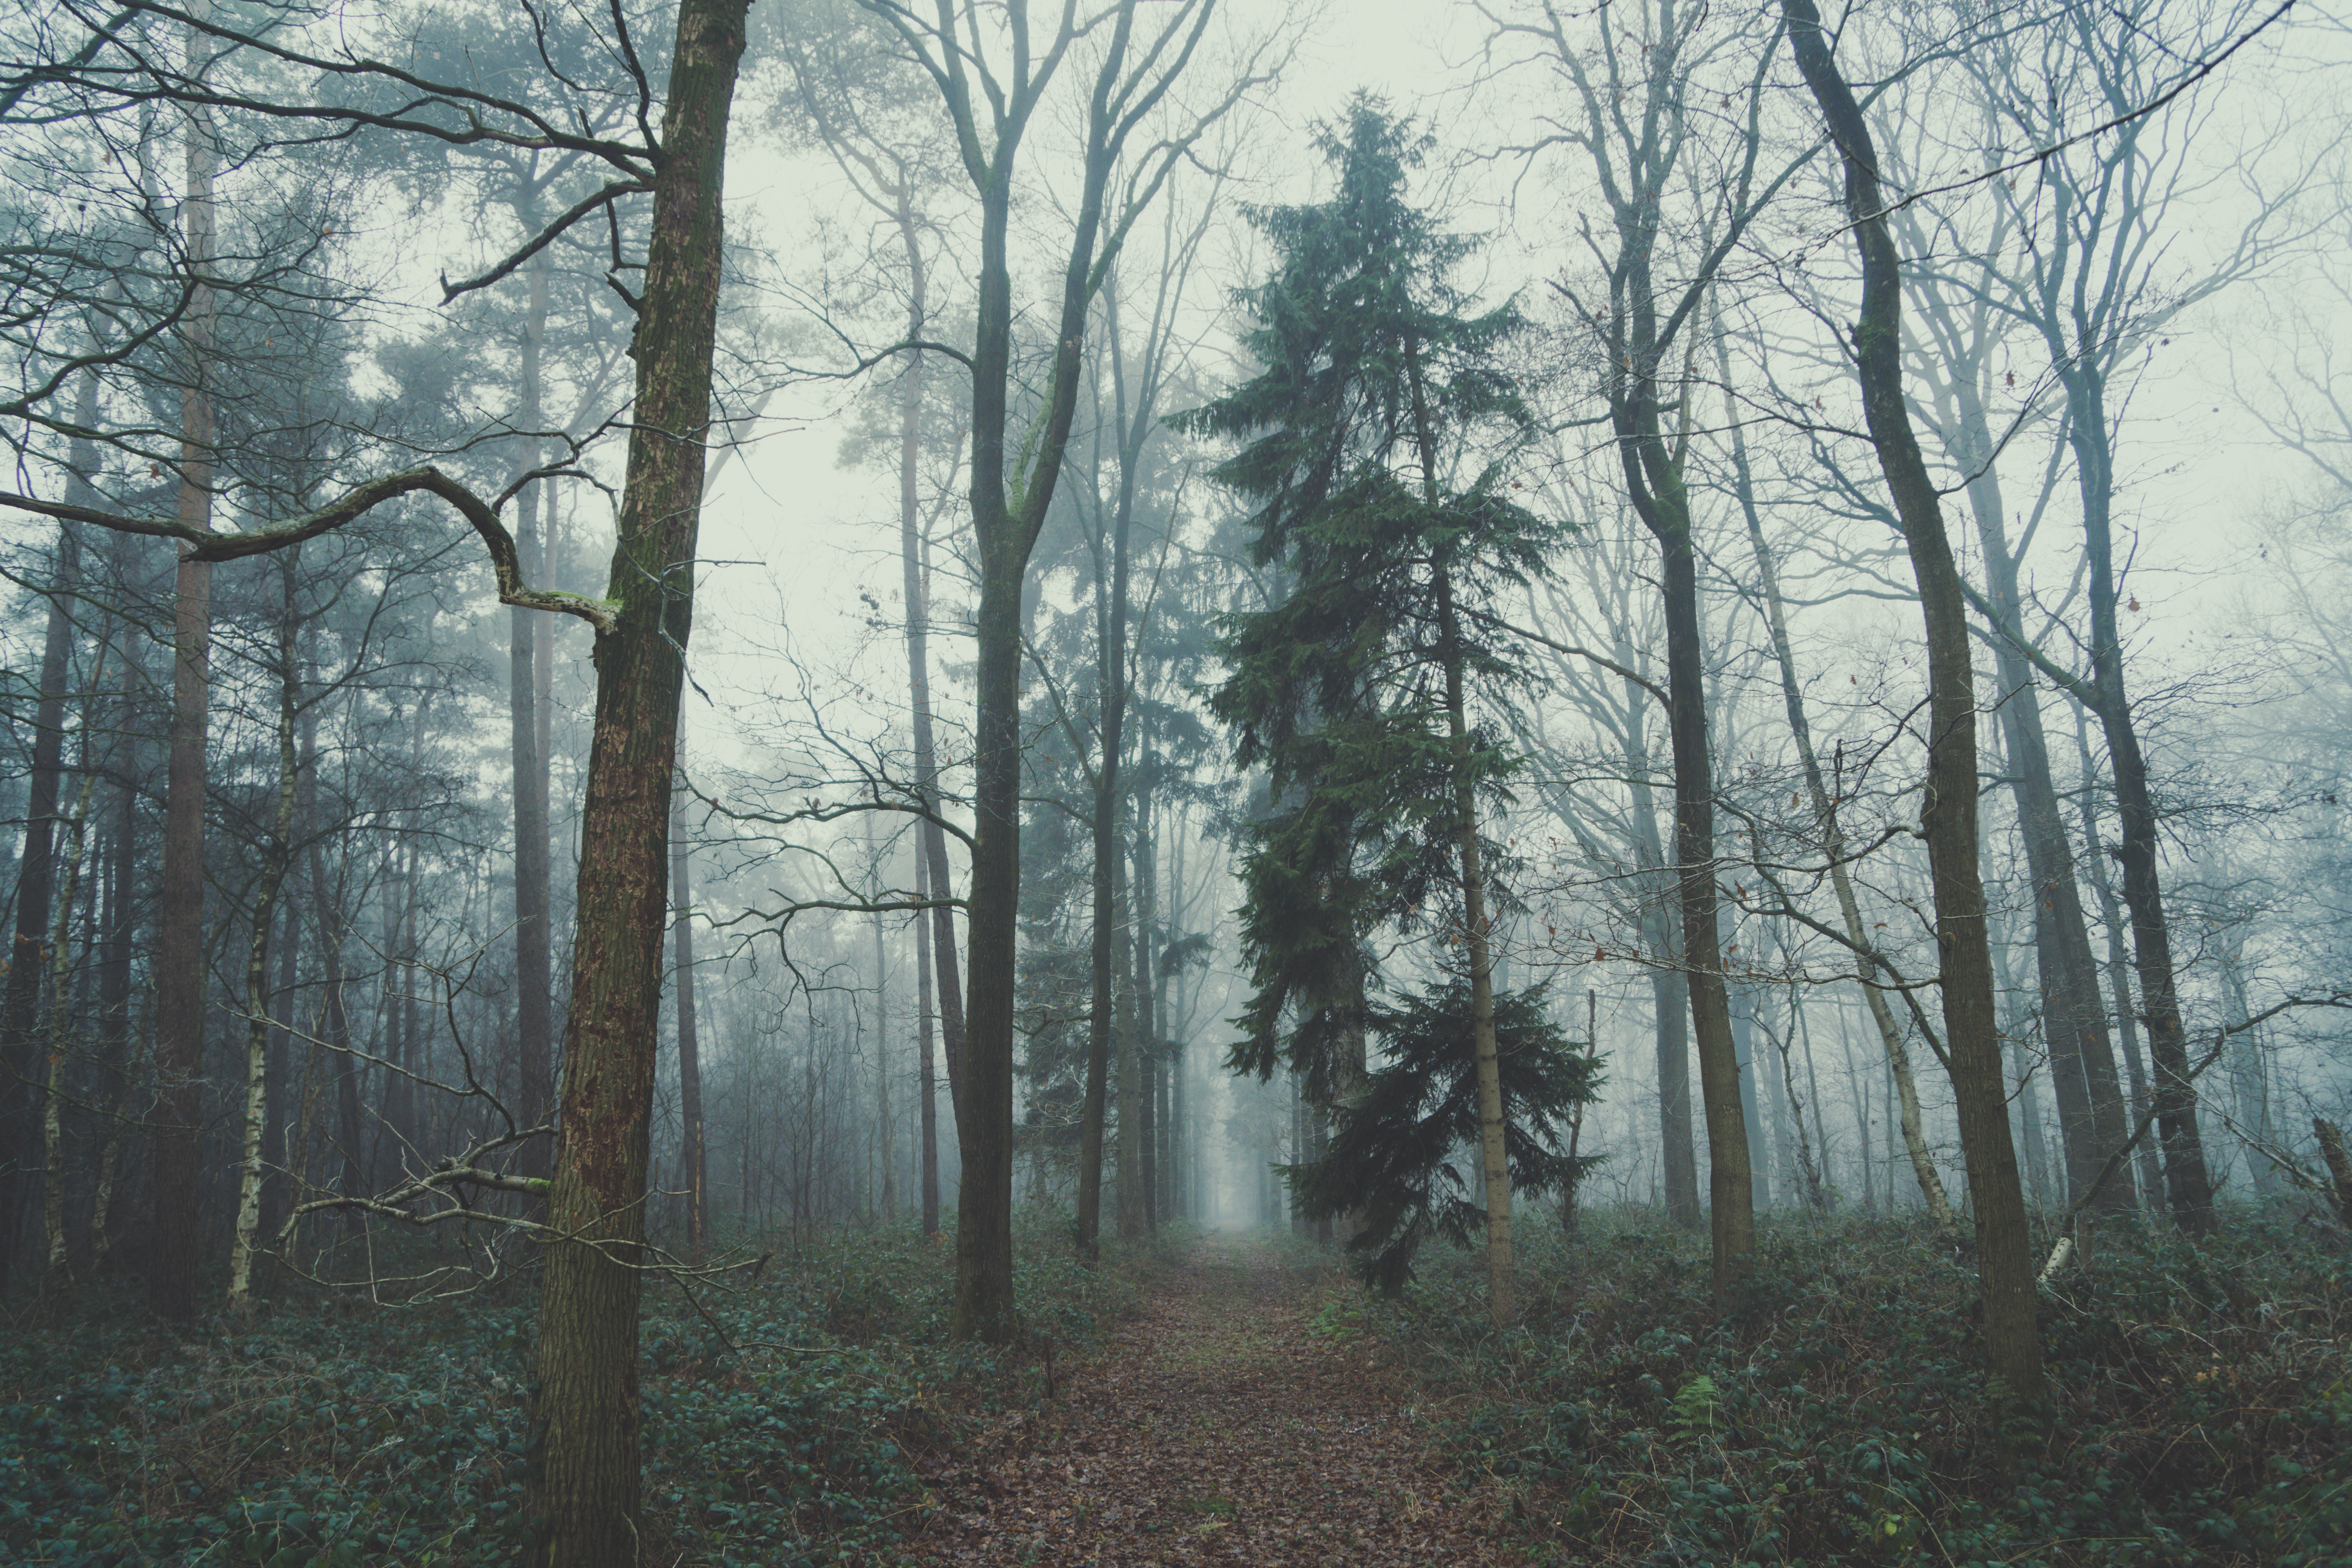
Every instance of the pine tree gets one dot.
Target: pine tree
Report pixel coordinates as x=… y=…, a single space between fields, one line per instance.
x=1376 y=445
x=1390 y=1160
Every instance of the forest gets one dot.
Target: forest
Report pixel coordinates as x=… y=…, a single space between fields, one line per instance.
x=890 y=782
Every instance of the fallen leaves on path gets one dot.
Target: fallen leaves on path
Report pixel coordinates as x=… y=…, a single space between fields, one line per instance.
x=1217 y=1427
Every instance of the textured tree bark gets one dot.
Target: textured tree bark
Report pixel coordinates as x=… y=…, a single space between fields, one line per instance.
x=1948 y=814
x=692 y=1162
x=585 y=1417
x=2339 y=1166
x=180 y=907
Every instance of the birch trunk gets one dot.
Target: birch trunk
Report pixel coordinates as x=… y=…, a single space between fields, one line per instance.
x=277 y=856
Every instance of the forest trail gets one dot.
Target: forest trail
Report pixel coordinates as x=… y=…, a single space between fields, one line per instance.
x=1217 y=1428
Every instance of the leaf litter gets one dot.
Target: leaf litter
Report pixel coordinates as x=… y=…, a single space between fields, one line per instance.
x=1239 y=1418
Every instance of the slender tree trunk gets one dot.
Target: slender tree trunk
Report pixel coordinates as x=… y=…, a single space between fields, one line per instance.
x=692 y=1161
x=1948 y=814
x=585 y=1418
x=180 y=1003
x=1147 y=1041
x=931 y=838
x=1866 y=971
x=533 y=902
x=1654 y=486
x=115 y=970
x=1110 y=660
x=2118 y=967
x=1130 y=1086
x=1502 y=1295
x=2188 y=1184
x=888 y=1187
x=1743 y=1043
x=335 y=1028
x=21 y=1031
x=1011 y=492
x=59 y=1271
x=930 y=1115
x=2090 y=1112
x=1731 y=1194
x=984 y=1302
x=277 y=853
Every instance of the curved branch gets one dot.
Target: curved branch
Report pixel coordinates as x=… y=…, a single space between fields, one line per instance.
x=347 y=507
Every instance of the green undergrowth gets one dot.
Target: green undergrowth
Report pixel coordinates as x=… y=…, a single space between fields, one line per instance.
x=784 y=1421
x=1838 y=1413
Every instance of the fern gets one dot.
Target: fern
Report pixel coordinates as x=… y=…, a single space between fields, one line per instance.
x=1698 y=1408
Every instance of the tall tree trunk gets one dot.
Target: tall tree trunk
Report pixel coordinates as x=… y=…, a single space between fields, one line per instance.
x=21 y=1031
x=887 y=1185
x=1130 y=1086
x=1948 y=814
x=114 y=1031
x=179 y=906
x=1110 y=664
x=278 y=852
x=59 y=1273
x=585 y=1417
x=2150 y=1163
x=1146 y=1023
x=930 y=1115
x=1669 y=989
x=1011 y=492
x=1759 y=1145
x=1866 y=969
x=335 y=1029
x=1502 y=1290
x=2091 y=1115
x=533 y=902
x=2188 y=1184
x=1731 y=1204
x=931 y=838
x=692 y=1161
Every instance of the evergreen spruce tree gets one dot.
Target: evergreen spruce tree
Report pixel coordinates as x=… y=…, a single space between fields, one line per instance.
x=1376 y=446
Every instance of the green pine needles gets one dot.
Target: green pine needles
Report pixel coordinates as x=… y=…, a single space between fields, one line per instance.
x=1394 y=1160
x=1376 y=445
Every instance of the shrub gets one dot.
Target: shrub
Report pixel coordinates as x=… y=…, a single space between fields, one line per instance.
x=782 y=1422
x=1838 y=1412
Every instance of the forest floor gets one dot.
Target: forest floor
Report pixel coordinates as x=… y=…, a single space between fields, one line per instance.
x=1242 y=1418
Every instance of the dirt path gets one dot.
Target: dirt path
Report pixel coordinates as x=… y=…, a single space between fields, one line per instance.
x=1215 y=1428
